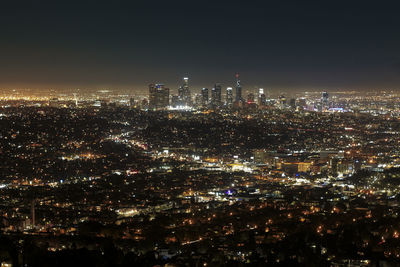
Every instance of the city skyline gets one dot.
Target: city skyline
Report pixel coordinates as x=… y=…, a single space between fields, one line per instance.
x=177 y=85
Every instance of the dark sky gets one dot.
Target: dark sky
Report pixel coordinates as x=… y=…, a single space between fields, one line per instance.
x=277 y=44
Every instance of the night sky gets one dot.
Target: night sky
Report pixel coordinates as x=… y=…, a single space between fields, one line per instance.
x=280 y=45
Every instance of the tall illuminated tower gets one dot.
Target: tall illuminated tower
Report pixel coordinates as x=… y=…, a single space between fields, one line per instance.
x=325 y=101
x=152 y=95
x=204 y=96
x=229 y=96
x=184 y=93
x=261 y=97
x=216 y=95
x=238 y=89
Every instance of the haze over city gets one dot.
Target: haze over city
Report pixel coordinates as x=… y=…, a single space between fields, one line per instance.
x=281 y=45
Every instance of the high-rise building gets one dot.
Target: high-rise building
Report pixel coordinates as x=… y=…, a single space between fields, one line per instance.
x=184 y=93
x=229 y=96
x=260 y=92
x=282 y=101
x=216 y=95
x=158 y=96
x=181 y=94
x=261 y=97
x=152 y=95
x=325 y=101
x=238 y=89
x=164 y=97
x=204 y=96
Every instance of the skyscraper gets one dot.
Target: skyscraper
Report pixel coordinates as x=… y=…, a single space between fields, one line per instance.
x=164 y=97
x=282 y=101
x=229 y=96
x=216 y=95
x=184 y=93
x=261 y=97
x=238 y=89
x=325 y=101
x=204 y=96
x=158 y=96
x=181 y=95
x=152 y=95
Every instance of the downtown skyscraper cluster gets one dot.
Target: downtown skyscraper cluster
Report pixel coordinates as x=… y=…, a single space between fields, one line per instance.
x=159 y=96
